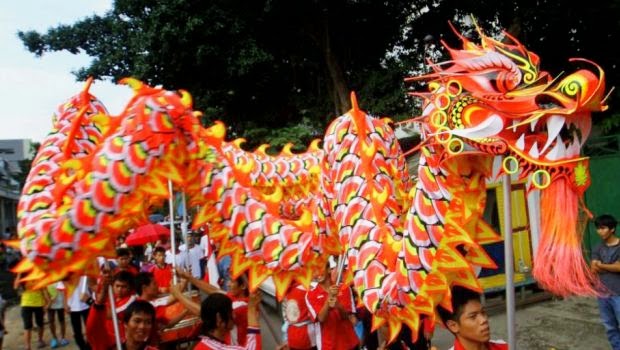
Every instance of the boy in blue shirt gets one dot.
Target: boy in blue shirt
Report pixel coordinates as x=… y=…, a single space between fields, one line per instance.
x=606 y=264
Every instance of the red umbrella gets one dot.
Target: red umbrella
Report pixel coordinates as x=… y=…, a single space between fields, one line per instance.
x=147 y=233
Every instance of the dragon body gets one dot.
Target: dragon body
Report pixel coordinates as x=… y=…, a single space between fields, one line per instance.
x=404 y=244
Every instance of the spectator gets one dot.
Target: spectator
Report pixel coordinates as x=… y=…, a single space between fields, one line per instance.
x=161 y=271
x=606 y=264
x=55 y=311
x=123 y=261
x=78 y=307
x=32 y=303
x=469 y=322
x=3 y=330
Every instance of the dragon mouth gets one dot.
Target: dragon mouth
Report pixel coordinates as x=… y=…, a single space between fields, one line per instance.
x=550 y=139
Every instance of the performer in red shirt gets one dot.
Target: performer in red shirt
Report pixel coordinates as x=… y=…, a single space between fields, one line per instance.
x=217 y=316
x=122 y=288
x=237 y=293
x=332 y=306
x=161 y=271
x=123 y=260
x=147 y=290
x=469 y=322
x=138 y=320
x=301 y=328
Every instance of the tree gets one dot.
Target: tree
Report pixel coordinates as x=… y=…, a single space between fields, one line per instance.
x=555 y=30
x=261 y=64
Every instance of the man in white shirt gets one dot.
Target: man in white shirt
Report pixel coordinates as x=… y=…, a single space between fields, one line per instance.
x=78 y=307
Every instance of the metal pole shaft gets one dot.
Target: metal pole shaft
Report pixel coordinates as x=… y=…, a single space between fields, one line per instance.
x=509 y=262
x=173 y=243
x=184 y=224
x=117 y=332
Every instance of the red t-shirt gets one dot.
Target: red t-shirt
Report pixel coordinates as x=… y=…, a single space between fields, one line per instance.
x=492 y=345
x=160 y=317
x=240 y=317
x=300 y=333
x=253 y=342
x=131 y=269
x=335 y=333
x=101 y=335
x=162 y=275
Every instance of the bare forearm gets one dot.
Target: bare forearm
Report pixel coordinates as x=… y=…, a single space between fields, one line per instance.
x=322 y=316
x=615 y=267
x=189 y=304
x=205 y=286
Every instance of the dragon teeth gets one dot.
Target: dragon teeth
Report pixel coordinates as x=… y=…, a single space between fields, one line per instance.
x=521 y=142
x=554 y=125
x=534 y=150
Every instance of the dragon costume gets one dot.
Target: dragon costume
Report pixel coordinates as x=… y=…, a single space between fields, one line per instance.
x=404 y=244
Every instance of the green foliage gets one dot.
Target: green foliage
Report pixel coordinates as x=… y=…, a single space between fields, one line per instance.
x=263 y=65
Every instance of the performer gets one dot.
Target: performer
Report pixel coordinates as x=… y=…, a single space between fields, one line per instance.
x=237 y=293
x=469 y=322
x=138 y=320
x=216 y=312
x=331 y=306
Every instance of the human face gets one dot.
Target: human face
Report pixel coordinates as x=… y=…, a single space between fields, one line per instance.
x=605 y=233
x=121 y=289
x=138 y=328
x=236 y=289
x=160 y=258
x=473 y=324
x=151 y=290
x=123 y=262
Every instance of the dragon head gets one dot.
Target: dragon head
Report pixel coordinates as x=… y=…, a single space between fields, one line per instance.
x=492 y=99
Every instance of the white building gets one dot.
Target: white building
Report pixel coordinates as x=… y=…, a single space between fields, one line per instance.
x=13 y=151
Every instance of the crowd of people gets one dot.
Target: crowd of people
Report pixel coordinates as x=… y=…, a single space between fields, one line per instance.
x=139 y=297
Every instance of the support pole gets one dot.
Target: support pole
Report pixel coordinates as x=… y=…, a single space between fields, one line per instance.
x=184 y=224
x=173 y=243
x=117 y=333
x=509 y=262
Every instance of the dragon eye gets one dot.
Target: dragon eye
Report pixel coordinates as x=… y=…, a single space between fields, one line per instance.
x=547 y=102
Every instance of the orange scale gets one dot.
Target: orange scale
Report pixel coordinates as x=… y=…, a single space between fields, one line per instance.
x=104 y=195
x=137 y=157
x=121 y=175
x=85 y=213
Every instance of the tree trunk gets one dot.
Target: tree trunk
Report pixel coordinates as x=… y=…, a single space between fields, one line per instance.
x=339 y=85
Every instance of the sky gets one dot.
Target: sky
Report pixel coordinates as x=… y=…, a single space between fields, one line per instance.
x=32 y=87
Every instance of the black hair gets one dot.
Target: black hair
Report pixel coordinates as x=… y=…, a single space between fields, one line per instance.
x=243 y=280
x=122 y=252
x=606 y=220
x=139 y=306
x=125 y=276
x=460 y=297
x=211 y=306
x=159 y=249
x=142 y=280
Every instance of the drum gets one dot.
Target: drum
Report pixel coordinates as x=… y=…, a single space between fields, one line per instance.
x=187 y=329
